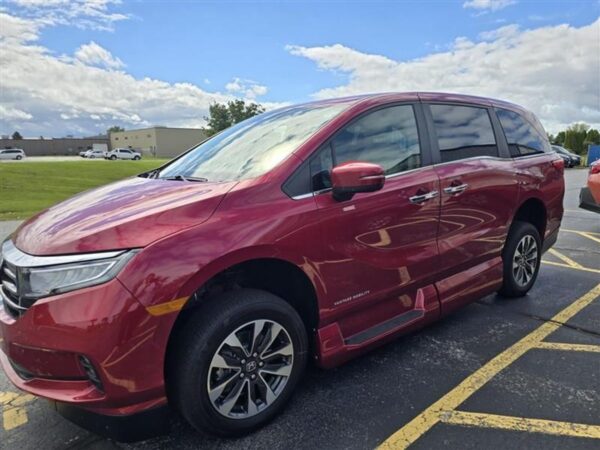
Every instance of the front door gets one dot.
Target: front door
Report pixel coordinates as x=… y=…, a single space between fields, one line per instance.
x=380 y=247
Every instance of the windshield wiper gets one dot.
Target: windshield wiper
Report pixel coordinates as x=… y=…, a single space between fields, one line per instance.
x=182 y=178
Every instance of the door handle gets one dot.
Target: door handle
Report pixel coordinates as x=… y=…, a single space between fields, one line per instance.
x=423 y=197
x=456 y=189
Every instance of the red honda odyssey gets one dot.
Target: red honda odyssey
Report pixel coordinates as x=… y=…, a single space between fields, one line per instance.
x=316 y=231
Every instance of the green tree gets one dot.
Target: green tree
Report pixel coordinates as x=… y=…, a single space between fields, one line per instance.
x=17 y=136
x=592 y=137
x=575 y=137
x=559 y=139
x=223 y=115
x=114 y=128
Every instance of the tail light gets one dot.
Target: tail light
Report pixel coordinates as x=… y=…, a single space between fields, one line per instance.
x=559 y=164
x=595 y=168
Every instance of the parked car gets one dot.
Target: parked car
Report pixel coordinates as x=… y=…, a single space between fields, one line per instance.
x=12 y=153
x=589 y=196
x=123 y=153
x=92 y=154
x=317 y=231
x=571 y=159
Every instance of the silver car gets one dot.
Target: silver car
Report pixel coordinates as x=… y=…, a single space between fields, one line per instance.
x=12 y=153
x=92 y=154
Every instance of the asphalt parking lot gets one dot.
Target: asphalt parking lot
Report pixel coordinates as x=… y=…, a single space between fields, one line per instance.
x=499 y=373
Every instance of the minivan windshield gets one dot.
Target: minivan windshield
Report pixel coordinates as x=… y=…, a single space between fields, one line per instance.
x=252 y=147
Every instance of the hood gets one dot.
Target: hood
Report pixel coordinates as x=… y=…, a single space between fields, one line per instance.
x=127 y=214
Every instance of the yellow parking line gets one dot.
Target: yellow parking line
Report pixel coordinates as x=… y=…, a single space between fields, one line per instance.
x=565 y=259
x=569 y=347
x=414 y=429
x=14 y=417
x=580 y=430
x=584 y=269
x=14 y=413
x=587 y=234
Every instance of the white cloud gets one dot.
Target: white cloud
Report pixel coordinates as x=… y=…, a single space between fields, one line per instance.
x=492 y=5
x=93 y=14
x=247 y=88
x=532 y=68
x=8 y=113
x=94 y=55
x=45 y=94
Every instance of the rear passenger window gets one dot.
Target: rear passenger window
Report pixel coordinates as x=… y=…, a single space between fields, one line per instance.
x=463 y=132
x=522 y=137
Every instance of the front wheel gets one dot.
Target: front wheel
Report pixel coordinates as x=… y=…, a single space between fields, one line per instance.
x=238 y=360
x=136 y=158
x=521 y=259
x=113 y=157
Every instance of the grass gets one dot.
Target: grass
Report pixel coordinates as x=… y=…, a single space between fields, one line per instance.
x=29 y=187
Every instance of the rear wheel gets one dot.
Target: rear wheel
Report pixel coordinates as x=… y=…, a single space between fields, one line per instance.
x=521 y=259
x=238 y=360
x=19 y=157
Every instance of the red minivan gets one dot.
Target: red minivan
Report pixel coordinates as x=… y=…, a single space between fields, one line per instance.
x=315 y=231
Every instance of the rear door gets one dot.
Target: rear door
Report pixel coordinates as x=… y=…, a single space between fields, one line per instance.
x=380 y=250
x=478 y=194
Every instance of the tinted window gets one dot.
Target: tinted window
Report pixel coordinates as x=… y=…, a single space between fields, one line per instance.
x=387 y=137
x=463 y=132
x=522 y=137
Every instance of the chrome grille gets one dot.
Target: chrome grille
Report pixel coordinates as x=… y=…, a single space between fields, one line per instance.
x=9 y=290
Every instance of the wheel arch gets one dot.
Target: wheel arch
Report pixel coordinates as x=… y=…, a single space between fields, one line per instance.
x=269 y=273
x=534 y=211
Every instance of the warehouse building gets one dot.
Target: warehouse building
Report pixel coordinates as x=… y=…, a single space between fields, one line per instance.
x=161 y=142
x=53 y=147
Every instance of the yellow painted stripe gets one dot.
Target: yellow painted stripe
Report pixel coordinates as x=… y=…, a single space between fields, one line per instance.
x=586 y=234
x=589 y=236
x=414 y=429
x=13 y=418
x=565 y=259
x=569 y=347
x=14 y=414
x=583 y=269
x=167 y=308
x=579 y=430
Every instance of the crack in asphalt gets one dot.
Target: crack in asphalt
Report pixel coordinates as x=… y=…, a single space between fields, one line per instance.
x=544 y=319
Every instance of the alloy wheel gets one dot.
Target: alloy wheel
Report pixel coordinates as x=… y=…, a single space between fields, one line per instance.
x=250 y=369
x=525 y=260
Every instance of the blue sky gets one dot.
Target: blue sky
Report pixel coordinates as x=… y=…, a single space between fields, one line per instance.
x=194 y=41
x=340 y=48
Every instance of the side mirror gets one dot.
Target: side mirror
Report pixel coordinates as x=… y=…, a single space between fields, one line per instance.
x=353 y=177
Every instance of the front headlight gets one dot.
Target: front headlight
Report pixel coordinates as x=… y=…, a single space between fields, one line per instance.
x=31 y=277
x=39 y=282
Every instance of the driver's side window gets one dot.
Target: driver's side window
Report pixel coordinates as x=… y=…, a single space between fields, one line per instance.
x=387 y=136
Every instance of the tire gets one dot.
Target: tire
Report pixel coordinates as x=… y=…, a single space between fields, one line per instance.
x=136 y=158
x=191 y=372
x=19 y=158
x=113 y=157
x=521 y=270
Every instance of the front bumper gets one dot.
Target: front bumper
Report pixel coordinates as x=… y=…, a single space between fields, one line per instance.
x=586 y=200
x=41 y=350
